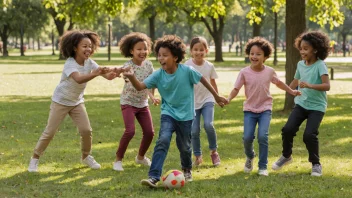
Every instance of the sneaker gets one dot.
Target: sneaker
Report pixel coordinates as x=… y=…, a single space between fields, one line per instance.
x=248 y=166
x=263 y=172
x=198 y=161
x=151 y=182
x=117 y=166
x=317 y=170
x=146 y=161
x=33 y=165
x=188 y=175
x=281 y=162
x=215 y=158
x=90 y=162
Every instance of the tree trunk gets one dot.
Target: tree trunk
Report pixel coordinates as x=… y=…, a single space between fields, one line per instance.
x=190 y=32
x=275 y=39
x=4 y=37
x=38 y=41
x=152 y=27
x=295 y=25
x=21 y=40
x=256 y=29
x=344 y=44
x=218 y=47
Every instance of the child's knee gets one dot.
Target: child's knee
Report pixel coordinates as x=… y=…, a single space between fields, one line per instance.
x=209 y=126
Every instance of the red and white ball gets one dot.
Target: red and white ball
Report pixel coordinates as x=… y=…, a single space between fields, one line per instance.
x=173 y=179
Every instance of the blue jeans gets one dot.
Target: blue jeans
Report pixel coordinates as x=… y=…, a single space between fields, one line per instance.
x=250 y=122
x=168 y=125
x=207 y=111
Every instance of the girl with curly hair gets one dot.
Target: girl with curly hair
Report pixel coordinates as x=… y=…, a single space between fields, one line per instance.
x=77 y=46
x=257 y=107
x=313 y=81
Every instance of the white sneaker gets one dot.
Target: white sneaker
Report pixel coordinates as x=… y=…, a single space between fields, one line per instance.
x=146 y=161
x=117 y=166
x=90 y=162
x=263 y=172
x=33 y=165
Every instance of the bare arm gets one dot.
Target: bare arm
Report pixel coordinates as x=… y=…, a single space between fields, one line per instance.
x=136 y=84
x=213 y=83
x=154 y=100
x=83 y=78
x=288 y=89
x=219 y=99
x=233 y=94
x=324 y=86
x=294 y=84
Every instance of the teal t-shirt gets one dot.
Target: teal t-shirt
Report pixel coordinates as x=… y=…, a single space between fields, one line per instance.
x=311 y=99
x=176 y=91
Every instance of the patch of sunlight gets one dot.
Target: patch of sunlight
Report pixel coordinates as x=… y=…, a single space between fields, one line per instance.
x=232 y=130
x=334 y=119
x=334 y=108
x=51 y=178
x=346 y=140
x=226 y=122
x=70 y=179
x=274 y=137
x=105 y=145
x=278 y=120
x=96 y=182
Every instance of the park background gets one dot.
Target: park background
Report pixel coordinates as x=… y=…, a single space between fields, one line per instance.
x=30 y=69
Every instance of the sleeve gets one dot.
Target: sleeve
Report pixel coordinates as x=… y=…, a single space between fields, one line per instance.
x=323 y=69
x=69 y=67
x=240 y=81
x=297 y=74
x=93 y=64
x=194 y=75
x=213 y=74
x=152 y=80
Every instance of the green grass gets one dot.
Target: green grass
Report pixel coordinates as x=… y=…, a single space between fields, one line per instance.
x=24 y=105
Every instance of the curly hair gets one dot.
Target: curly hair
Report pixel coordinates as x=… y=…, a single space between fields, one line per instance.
x=70 y=40
x=318 y=40
x=174 y=44
x=199 y=39
x=128 y=41
x=262 y=43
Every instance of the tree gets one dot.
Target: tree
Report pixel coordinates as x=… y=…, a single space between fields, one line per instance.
x=213 y=14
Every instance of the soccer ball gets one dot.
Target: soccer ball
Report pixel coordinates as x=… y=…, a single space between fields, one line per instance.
x=173 y=179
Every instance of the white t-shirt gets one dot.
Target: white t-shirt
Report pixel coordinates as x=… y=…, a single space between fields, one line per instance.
x=201 y=94
x=129 y=95
x=69 y=92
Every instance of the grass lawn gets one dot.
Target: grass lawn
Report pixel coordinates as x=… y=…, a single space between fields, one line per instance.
x=25 y=91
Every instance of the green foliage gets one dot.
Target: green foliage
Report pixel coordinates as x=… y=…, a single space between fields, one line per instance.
x=256 y=11
x=326 y=12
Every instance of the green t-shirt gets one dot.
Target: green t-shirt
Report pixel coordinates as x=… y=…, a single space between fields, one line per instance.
x=311 y=99
x=176 y=91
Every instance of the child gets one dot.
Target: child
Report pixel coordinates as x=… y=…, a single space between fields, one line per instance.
x=313 y=80
x=204 y=101
x=175 y=84
x=77 y=46
x=257 y=107
x=135 y=103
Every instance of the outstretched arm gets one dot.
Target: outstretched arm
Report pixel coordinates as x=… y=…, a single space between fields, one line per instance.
x=135 y=82
x=83 y=78
x=288 y=89
x=154 y=100
x=219 y=99
x=233 y=94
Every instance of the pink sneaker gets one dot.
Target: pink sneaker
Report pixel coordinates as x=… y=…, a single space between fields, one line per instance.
x=215 y=158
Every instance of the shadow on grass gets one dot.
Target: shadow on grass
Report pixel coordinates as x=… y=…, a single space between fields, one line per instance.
x=22 y=120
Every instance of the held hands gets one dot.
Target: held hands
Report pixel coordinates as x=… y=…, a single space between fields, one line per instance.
x=119 y=70
x=296 y=93
x=155 y=101
x=128 y=72
x=221 y=101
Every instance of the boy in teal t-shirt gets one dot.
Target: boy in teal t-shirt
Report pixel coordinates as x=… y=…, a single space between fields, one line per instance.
x=175 y=83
